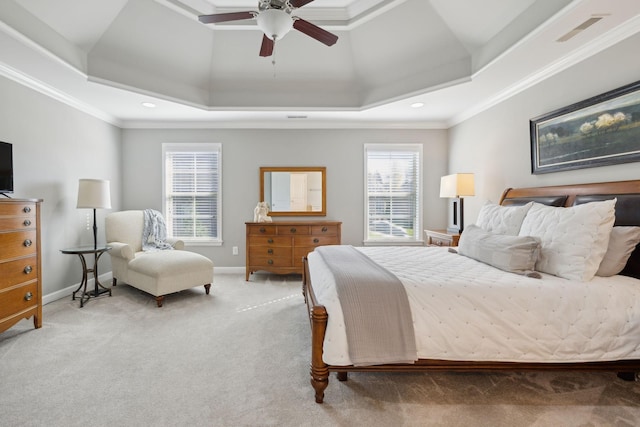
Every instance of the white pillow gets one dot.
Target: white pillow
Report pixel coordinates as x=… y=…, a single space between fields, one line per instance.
x=574 y=239
x=622 y=242
x=515 y=254
x=502 y=219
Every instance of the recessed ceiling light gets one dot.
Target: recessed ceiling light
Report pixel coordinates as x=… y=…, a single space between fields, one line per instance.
x=417 y=105
x=149 y=104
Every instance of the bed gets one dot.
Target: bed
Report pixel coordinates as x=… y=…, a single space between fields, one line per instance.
x=463 y=339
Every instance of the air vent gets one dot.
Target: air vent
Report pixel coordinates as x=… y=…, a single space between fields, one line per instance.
x=586 y=24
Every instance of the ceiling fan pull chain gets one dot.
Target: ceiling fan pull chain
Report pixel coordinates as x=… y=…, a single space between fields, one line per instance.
x=273 y=57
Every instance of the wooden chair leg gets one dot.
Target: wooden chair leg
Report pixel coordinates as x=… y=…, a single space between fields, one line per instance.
x=207 y=287
x=159 y=300
x=342 y=376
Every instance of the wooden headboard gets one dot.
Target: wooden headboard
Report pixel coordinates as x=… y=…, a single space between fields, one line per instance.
x=627 y=194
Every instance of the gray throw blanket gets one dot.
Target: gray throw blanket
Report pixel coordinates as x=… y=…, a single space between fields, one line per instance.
x=375 y=306
x=154 y=232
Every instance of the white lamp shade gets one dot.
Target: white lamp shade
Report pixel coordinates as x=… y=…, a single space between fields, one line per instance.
x=274 y=23
x=457 y=185
x=94 y=194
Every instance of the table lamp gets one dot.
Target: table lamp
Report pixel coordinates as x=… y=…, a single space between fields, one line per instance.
x=94 y=194
x=456 y=187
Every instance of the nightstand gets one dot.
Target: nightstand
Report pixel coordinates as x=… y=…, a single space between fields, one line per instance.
x=441 y=238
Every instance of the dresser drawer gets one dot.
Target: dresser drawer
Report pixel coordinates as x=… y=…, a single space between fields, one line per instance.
x=324 y=230
x=18 y=271
x=18 y=223
x=17 y=299
x=269 y=252
x=269 y=241
x=16 y=209
x=281 y=259
x=261 y=230
x=17 y=244
x=315 y=240
x=293 y=230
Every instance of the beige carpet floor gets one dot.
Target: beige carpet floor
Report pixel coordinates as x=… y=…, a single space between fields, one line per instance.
x=240 y=357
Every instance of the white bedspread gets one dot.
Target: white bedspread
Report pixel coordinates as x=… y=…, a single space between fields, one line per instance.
x=465 y=310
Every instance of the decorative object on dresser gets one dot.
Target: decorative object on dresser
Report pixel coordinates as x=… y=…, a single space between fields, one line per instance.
x=20 y=262
x=279 y=247
x=456 y=187
x=261 y=213
x=441 y=238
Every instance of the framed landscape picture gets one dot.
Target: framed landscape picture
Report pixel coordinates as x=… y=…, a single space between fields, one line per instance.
x=599 y=131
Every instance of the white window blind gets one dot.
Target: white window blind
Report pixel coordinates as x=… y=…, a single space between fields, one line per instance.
x=393 y=205
x=192 y=174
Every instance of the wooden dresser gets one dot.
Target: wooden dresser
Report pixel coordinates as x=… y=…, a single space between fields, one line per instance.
x=20 y=262
x=278 y=247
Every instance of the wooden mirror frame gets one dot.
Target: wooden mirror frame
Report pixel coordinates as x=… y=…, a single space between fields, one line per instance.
x=296 y=169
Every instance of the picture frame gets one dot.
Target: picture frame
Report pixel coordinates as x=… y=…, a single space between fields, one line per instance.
x=599 y=131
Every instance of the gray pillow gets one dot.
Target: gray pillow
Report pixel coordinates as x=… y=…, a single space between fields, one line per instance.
x=515 y=254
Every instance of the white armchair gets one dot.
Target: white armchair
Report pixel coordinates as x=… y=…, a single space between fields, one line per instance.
x=158 y=273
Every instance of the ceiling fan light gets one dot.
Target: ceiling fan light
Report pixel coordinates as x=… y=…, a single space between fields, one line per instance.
x=274 y=23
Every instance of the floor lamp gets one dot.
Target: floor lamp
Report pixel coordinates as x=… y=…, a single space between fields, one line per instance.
x=456 y=187
x=94 y=194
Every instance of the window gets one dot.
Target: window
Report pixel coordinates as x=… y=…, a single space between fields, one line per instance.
x=393 y=202
x=193 y=192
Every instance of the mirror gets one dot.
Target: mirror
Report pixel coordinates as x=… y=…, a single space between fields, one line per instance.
x=294 y=191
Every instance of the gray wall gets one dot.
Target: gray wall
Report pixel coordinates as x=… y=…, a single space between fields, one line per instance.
x=54 y=145
x=244 y=151
x=495 y=144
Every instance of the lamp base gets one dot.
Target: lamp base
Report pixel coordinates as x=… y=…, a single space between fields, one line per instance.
x=453 y=230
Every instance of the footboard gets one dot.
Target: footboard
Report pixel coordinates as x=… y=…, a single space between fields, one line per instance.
x=318 y=320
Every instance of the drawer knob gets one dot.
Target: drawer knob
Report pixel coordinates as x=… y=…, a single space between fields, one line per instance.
x=439 y=243
x=27 y=222
x=26 y=209
x=293 y=229
x=28 y=269
x=270 y=262
x=262 y=229
x=325 y=229
x=270 y=251
x=28 y=296
x=316 y=240
x=270 y=241
x=27 y=243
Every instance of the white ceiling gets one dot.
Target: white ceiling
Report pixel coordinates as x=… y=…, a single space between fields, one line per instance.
x=457 y=57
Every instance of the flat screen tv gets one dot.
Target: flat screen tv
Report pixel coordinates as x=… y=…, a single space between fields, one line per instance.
x=6 y=168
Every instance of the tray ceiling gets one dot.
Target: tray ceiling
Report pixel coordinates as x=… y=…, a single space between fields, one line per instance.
x=453 y=55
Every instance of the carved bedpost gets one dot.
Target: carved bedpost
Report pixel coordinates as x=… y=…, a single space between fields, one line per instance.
x=319 y=370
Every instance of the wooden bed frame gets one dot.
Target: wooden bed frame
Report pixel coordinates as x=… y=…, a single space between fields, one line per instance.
x=627 y=213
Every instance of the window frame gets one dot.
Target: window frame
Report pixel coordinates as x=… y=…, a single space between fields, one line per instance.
x=209 y=147
x=417 y=238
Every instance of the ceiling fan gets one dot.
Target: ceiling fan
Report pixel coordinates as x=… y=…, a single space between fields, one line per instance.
x=275 y=20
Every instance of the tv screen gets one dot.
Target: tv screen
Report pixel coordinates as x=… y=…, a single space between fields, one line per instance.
x=6 y=168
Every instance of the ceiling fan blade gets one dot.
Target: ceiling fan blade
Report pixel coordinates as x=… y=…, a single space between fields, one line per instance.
x=224 y=17
x=315 y=32
x=299 y=3
x=266 y=49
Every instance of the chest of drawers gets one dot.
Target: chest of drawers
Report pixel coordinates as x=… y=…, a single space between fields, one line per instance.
x=278 y=247
x=20 y=265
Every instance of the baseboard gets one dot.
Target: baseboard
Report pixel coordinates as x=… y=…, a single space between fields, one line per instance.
x=106 y=278
x=227 y=270
x=66 y=292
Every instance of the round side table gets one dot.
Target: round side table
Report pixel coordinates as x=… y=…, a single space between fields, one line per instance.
x=98 y=289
